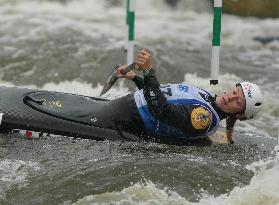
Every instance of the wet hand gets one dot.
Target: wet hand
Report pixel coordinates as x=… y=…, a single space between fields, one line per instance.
x=121 y=73
x=143 y=59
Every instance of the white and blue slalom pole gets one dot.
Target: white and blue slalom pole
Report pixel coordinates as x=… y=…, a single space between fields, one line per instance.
x=127 y=25
x=131 y=5
x=216 y=42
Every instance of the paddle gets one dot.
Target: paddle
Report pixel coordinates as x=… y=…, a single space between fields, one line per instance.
x=113 y=76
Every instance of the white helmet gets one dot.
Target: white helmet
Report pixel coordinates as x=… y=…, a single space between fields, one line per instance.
x=253 y=97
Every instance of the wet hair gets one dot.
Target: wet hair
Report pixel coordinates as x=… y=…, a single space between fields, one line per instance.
x=230 y=121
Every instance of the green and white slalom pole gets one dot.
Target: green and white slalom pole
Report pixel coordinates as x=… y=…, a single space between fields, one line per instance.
x=216 y=42
x=131 y=5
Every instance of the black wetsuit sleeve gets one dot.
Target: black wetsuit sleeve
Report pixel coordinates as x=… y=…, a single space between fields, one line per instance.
x=175 y=115
x=139 y=82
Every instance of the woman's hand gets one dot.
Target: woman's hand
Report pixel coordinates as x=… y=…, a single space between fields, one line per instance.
x=121 y=73
x=143 y=59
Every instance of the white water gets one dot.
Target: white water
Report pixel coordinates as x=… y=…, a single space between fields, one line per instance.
x=15 y=172
x=262 y=190
x=153 y=21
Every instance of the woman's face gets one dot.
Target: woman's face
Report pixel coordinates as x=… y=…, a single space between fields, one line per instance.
x=232 y=101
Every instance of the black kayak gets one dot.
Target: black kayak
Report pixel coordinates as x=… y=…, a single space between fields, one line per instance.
x=55 y=113
x=48 y=112
x=58 y=113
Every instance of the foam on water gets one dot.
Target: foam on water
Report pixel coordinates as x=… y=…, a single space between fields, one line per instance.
x=77 y=87
x=80 y=88
x=262 y=189
x=15 y=172
x=168 y=24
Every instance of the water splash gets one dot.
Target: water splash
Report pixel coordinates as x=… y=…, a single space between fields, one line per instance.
x=263 y=189
x=15 y=172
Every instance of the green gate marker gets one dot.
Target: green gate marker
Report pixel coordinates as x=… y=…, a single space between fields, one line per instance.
x=131 y=4
x=216 y=42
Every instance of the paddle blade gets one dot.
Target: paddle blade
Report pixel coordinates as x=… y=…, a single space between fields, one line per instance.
x=105 y=89
x=110 y=81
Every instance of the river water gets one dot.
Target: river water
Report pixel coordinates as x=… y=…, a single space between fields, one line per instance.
x=71 y=46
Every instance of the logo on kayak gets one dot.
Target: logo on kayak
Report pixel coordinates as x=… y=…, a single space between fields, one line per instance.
x=52 y=103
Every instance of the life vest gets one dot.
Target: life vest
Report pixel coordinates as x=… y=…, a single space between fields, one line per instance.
x=177 y=94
